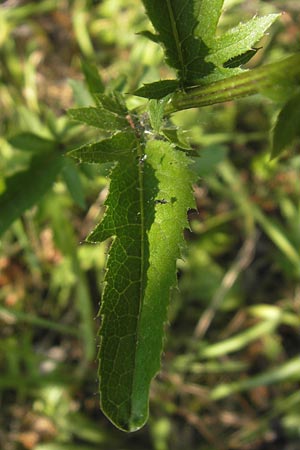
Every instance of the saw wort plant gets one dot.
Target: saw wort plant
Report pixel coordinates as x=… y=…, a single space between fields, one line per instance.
x=152 y=176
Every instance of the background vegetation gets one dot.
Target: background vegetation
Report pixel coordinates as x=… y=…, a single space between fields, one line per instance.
x=231 y=368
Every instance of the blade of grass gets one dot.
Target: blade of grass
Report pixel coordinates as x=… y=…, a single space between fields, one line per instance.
x=290 y=371
x=9 y=315
x=241 y=340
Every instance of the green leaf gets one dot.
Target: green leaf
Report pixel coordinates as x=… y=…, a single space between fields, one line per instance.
x=175 y=22
x=32 y=142
x=158 y=89
x=287 y=127
x=156 y=113
x=240 y=39
x=187 y=30
x=113 y=149
x=113 y=102
x=150 y=192
x=99 y=118
x=177 y=138
x=25 y=188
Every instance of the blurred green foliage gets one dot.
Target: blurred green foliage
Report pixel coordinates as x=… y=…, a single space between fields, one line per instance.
x=230 y=376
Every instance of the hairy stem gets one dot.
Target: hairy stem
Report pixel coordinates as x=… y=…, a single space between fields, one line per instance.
x=245 y=84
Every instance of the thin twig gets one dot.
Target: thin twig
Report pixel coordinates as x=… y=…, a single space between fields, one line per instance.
x=194 y=420
x=242 y=261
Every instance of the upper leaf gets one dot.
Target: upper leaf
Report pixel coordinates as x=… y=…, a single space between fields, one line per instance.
x=188 y=31
x=176 y=22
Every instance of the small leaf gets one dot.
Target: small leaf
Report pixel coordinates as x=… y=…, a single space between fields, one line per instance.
x=25 y=188
x=156 y=113
x=158 y=89
x=99 y=118
x=240 y=60
x=287 y=127
x=113 y=102
x=240 y=39
x=92 y=77
x=174 y=136
x=151 y=36
x=112 y=149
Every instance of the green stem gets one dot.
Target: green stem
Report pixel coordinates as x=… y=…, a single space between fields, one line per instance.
x=245 y=84
x=9 y=315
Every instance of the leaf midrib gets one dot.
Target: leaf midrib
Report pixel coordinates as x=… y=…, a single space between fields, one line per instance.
x=176 y=37
x=141 y=201
x=140 y=155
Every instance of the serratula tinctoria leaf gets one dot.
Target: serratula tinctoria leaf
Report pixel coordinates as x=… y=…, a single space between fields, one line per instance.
x=146 y=214
x=150 y=192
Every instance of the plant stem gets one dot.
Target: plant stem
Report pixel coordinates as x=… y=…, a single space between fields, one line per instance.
x=248 y=83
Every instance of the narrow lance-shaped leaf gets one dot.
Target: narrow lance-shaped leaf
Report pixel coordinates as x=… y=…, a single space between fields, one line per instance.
x=150 y=192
